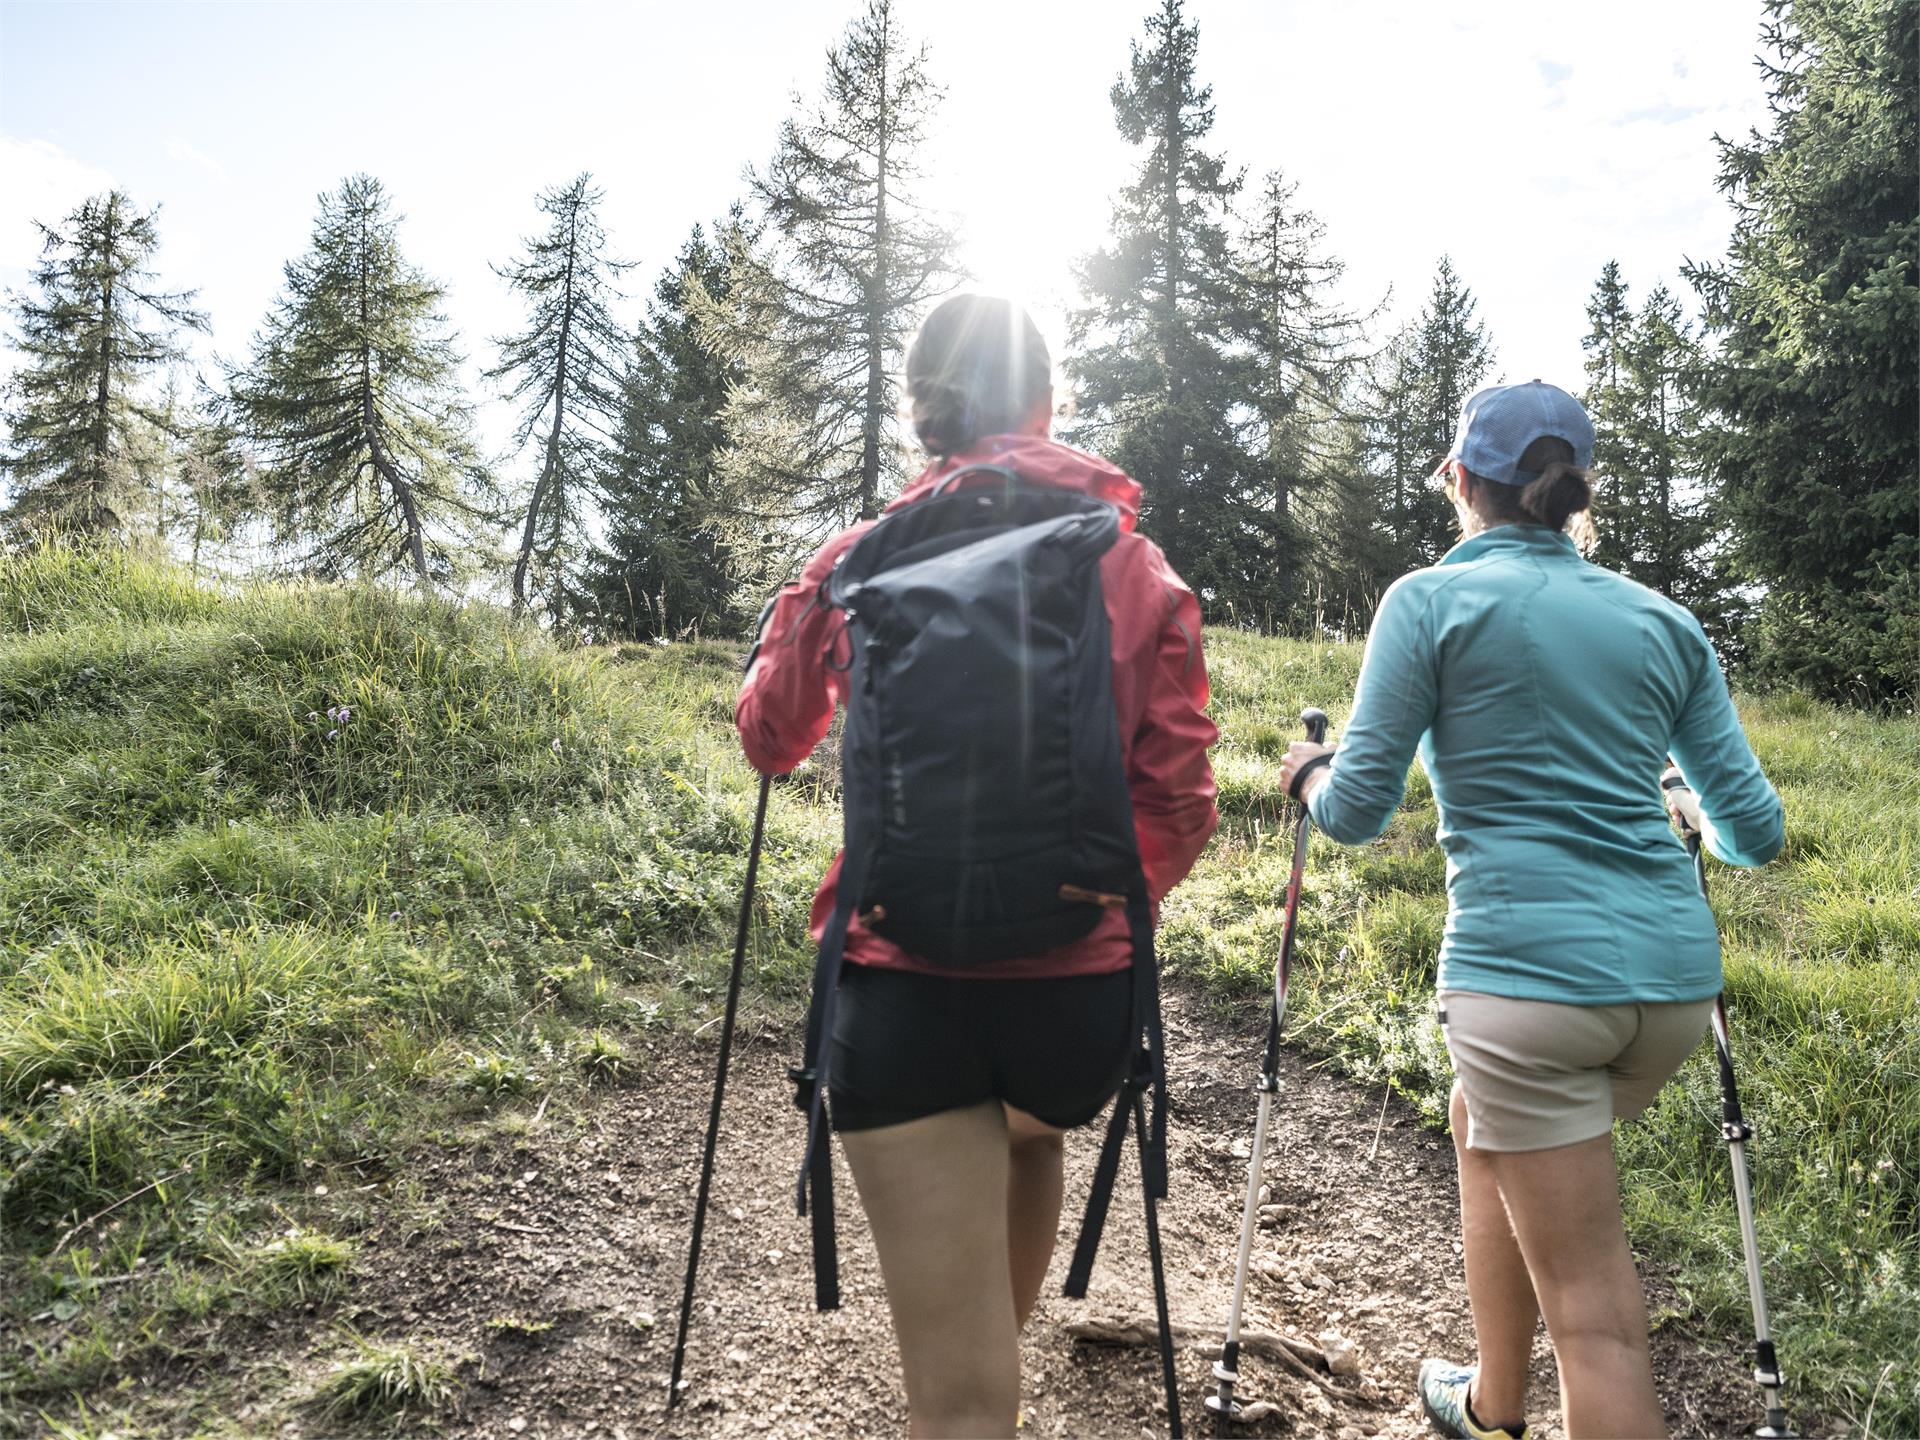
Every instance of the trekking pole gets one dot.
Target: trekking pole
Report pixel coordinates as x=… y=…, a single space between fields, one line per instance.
x=1226 y=1368
x=1736 y=1131
x=719 y=1087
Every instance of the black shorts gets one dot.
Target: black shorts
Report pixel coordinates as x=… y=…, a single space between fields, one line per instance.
x=908 y=1045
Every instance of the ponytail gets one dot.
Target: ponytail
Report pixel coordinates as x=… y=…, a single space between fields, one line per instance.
x=1559 y=499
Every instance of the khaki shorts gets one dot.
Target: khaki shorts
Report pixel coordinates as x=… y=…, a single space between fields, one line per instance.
x=1539 y=1074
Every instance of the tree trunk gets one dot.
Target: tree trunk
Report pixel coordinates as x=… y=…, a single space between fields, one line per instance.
x=96 y=511
x=550 y=469
x=876 y=300
x=1665 y=475
x=383 y=465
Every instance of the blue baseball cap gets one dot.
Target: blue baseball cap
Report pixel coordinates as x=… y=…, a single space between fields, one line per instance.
x=1497 y=425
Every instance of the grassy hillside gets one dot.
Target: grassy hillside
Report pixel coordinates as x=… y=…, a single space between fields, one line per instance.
x=250 y=949
x=289 y=876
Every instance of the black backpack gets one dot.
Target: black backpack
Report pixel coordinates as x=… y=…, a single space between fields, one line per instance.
x=986 y=806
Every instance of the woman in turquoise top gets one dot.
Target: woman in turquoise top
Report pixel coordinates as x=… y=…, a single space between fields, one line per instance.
x=1544 y=695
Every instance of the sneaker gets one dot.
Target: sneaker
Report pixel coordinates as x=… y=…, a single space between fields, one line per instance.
x=1443 y=1390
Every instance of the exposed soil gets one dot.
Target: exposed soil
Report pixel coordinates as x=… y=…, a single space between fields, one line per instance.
x=553 y=1261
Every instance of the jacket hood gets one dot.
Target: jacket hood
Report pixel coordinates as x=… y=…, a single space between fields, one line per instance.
x=1042 y=461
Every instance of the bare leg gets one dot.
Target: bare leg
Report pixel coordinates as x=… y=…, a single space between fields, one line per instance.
x=1565 y=1208
x=934 y=1191
x=1034 y=1189
x=1505 y=1312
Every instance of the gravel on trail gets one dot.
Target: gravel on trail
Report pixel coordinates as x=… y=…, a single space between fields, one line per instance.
x=553 y=1261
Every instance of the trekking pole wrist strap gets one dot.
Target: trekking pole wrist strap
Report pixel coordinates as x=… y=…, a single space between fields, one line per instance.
x=1318 y=762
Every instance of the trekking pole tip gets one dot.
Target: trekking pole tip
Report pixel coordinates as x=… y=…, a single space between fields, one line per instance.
x=1316 y=722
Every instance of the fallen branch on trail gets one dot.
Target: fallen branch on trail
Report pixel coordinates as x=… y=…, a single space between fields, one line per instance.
x=1303 y=1357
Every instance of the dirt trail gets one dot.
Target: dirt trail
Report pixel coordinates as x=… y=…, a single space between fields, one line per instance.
x=557 y=1257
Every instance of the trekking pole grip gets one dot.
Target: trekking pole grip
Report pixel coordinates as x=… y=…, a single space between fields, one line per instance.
x=1316 y=722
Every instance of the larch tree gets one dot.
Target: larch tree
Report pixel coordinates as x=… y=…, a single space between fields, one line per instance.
x=351 y=400
x=665 y=567
x=92 y=337
x=1304 y=351
x=819 y=310
x=565 y=371
x=1814 y=390
x=198 y=479
x=1159 y=376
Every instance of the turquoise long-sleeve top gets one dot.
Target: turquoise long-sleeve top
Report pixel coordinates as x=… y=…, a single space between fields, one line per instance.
x=1543 y=695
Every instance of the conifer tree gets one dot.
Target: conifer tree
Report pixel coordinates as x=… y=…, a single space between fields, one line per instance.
x=1419 y=383
x=366 y=461
x=191 y=466
x=91 y=337
x=1613 y=403
x=1678 y=536
x=1153 y=352
x=1351 y=556
x=1651 y=511
x=666 y=567
x=566 y=372
x=818 y=315
x=1816 y=387
x=1302 y=352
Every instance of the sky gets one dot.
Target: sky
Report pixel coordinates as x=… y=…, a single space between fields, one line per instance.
x=1530 y=142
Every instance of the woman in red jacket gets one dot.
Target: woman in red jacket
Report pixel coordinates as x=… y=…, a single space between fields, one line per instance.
x=951 y=1091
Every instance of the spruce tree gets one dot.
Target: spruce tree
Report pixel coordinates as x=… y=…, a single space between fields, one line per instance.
x=565 y=371
x=1612 y=399
x=1418 y=384
x=1159 y=376
x=1352 y=555
x=1651 y=509
x=1679 y=552
x=818 y=315
x=666 y=567
x=90 y=339
x=1816 y=385
x=350 y=398
x=1302 y=349
x=1397 y=448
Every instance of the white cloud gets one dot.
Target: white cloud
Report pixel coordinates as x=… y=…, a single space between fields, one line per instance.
x=38 y=181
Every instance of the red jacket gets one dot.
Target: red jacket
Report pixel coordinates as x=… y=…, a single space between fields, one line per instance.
x=1159 y=690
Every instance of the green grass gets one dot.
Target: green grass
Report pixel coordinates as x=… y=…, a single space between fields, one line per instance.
x=249 y=950
x=243 y=961
x=1823 y=986
x=384 y=1381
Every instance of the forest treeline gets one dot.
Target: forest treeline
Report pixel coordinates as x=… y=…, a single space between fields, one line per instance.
x=1757 y=453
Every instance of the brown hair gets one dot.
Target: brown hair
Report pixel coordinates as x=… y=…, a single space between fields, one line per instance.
x=1559 y=499
x=978 y=367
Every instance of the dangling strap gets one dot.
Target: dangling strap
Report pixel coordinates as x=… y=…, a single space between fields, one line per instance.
x=1147 y=1072
x=1147 y=983
x=1167 y=1376
x=811 y=1079
x=1080 y=1272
